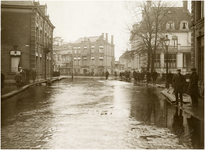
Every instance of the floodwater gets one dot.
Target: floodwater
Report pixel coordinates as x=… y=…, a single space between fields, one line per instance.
x=94 y=113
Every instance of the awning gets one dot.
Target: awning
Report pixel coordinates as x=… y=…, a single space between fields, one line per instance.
x=85 y=58
x=75 y=47
x=92 y=46
x=74 y=58
x=100 y=46
x=92 y=57
x=78 y=47
x=78 y=57
x=85 y=47
x=100 y=57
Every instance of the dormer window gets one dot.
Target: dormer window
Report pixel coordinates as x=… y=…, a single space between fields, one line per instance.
x=170 y=25
x=184 y=25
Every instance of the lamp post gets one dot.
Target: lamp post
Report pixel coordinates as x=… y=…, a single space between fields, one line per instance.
x=166 y=41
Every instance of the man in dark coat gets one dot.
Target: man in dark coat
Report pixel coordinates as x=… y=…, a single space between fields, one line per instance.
x=169 y=78
x=106 y=74
x=148 y=75
x=178 y=83
x=193 y=87
x=154 y=76
x=134 y=75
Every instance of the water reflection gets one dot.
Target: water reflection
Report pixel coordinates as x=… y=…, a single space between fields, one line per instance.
x=177 y=125
x=147 y=107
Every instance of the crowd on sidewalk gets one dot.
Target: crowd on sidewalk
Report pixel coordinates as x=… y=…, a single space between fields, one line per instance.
x=176 y=81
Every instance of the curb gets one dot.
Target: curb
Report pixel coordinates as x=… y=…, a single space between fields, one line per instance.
x=25 y=87
x=195 y=112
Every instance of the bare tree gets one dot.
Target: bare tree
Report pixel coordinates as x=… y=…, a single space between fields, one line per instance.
x=150 y=27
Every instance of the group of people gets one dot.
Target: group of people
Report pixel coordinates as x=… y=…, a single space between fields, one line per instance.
x=178 y=82
x=23 y=76
x=140 y=76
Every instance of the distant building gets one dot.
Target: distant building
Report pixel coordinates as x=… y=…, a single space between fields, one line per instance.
x=197 y=50
x=119 y=67
x=62 y=57
x=26 y=38
x=178 y=30
x=93 y=55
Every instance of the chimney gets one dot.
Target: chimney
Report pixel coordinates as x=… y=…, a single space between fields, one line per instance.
x=106 y=37
x=111 y=39
x=185 y=5
x=102 y=35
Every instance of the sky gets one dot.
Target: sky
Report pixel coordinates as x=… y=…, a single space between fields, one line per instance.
x=76 y=19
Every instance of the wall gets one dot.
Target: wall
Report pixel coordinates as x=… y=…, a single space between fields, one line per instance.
x=15 y=31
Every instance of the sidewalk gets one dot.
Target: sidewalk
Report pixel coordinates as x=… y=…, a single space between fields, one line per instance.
x=197 y=112
x=13 y=90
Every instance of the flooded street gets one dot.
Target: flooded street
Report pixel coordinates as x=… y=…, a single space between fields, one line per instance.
x=94 y=113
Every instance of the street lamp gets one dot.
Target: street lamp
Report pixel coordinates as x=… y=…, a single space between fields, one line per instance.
x=166 y=41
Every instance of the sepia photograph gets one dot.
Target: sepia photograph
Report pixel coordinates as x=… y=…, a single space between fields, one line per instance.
x=94 y=74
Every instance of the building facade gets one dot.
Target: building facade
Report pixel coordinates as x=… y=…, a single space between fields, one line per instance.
x=26 y=38
x=197 y=50
x=178 y=30
x=93 y=55
x=62 y=57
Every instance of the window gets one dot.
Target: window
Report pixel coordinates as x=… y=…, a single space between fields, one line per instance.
x=84 y=61
x=171 y=60
x=92 y=49
x=92 y=60
x=79 y=51
x=75 y=51
x=101 y=61
x=100 y=49
x=184 y=25
x=157 y=61
x=170 y=25
x=85 y=49
x=14 y=64
x=75 y=62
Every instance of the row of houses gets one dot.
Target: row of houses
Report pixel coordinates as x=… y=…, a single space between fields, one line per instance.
x=86 y=56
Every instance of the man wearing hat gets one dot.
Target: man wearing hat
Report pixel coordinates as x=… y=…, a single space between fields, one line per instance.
x=193 y=87
x=178 y=84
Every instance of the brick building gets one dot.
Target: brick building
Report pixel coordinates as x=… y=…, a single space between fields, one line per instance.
x=93 y=55
x=197 y=50
x=26 y=38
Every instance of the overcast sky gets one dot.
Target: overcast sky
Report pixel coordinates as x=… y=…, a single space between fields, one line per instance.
x=75 y=19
